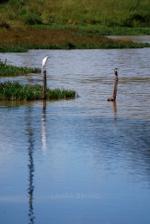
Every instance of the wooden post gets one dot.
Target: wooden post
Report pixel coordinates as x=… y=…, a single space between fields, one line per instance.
x=44 y=85
x=115 y=87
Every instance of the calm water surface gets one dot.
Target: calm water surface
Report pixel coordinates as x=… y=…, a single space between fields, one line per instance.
x=84 y=160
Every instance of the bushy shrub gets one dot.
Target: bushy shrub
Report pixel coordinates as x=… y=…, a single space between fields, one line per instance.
x=3 y=1
x=31 y=18
x=136 y=20
x=16 y=2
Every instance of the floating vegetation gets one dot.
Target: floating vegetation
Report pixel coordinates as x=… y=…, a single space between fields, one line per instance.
x=14 y=91
x=11 y=70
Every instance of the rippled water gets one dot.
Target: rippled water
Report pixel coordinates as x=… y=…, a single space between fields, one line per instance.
x=84 y=160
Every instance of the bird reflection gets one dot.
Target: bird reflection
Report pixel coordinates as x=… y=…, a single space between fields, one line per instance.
x=43 y=127
x=30 y=189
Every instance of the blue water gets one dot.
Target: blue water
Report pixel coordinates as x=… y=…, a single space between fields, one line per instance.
x=84 y=160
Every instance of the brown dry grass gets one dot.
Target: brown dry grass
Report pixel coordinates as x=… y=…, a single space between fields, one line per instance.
x=47 y=37
x=28 y=38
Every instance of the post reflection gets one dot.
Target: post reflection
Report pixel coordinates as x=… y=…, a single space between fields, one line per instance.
x=30 y=189
x=43 y=127
x=31 y=145
x=114 y=109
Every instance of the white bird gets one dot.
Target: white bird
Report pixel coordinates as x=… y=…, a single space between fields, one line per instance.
x=44 y=61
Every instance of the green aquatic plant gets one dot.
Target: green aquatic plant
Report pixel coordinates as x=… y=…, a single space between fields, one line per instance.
x=11 y=70
x=17 y=92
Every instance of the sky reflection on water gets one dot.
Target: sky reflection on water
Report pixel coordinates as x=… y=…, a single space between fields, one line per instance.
x=83 y=160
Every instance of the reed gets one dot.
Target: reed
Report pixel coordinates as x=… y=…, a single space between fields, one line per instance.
x=14 y=91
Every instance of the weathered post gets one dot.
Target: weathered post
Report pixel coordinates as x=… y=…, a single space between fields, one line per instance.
x=115 y=87
x=44 y=85
x=115 y=84
x=44 y=61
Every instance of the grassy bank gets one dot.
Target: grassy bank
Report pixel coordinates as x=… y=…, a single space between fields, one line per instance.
x=16 y=92
x=68 y=24
x=15 y=40
x=109 y=13
x=10 y=70
x=96 y=29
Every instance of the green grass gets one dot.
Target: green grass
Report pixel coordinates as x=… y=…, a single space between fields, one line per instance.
x=10 y=70
x=96 y=29
x=13 y=48
x=113 y=44
x=109 y=13
x=71 y=24
x=13 y=91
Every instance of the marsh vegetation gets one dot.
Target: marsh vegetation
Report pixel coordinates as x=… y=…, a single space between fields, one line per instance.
x=11 y=70
x=16 y=92
x=33 y=38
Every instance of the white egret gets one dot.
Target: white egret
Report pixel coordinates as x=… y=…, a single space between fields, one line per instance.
x=44 y=61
